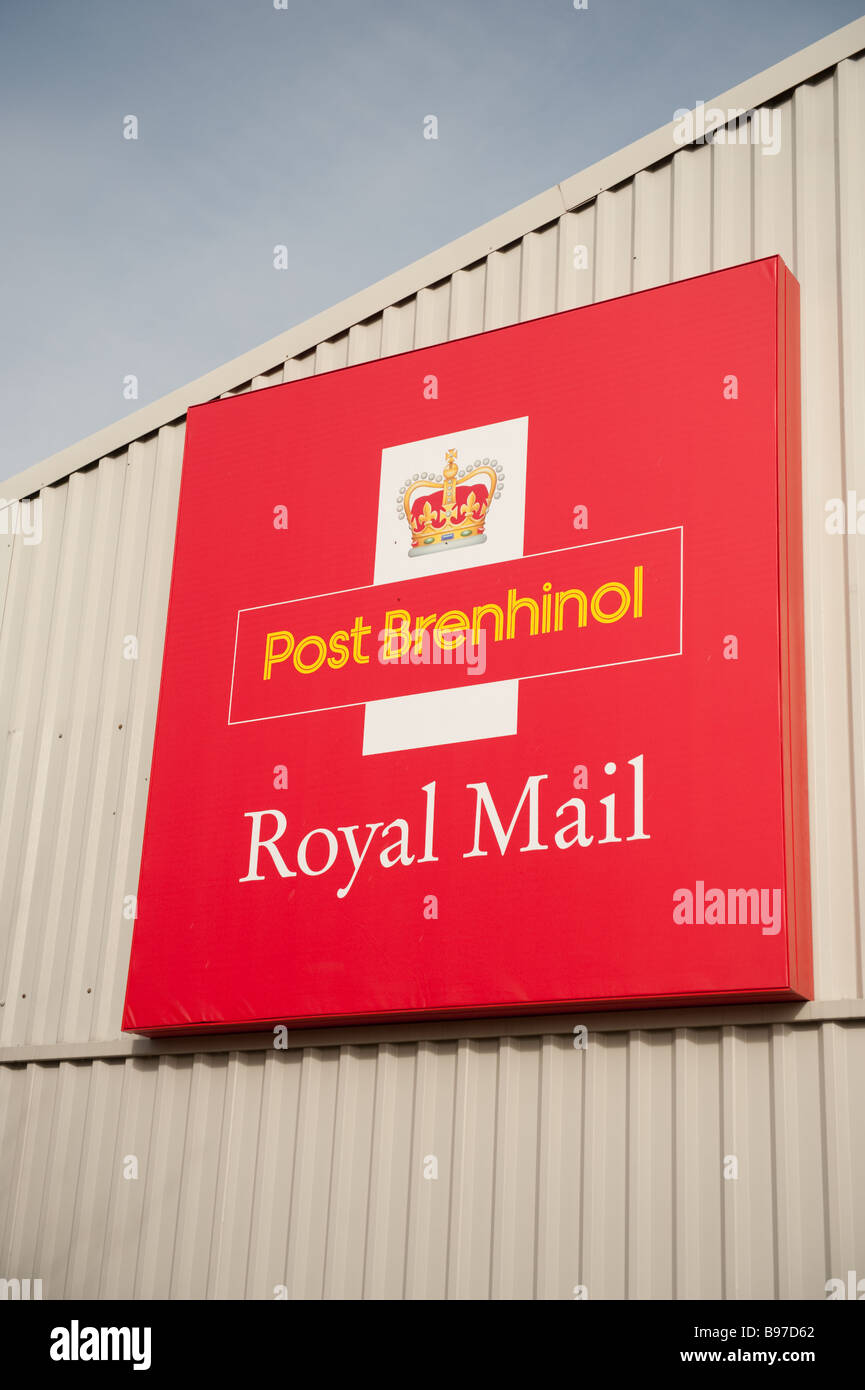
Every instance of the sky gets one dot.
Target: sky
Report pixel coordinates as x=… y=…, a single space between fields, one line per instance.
x=301 y=126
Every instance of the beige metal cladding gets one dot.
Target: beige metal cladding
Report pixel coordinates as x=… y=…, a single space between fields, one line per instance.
x=556 y=1167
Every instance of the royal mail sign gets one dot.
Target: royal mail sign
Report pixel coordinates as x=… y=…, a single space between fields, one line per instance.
x=483 y=686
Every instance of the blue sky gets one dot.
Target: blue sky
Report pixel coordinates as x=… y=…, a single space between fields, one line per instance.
x=301 y=127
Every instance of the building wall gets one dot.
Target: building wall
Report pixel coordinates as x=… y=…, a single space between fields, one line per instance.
x=557 y=1166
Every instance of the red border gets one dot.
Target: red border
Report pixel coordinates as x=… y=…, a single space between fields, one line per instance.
x=794 y=758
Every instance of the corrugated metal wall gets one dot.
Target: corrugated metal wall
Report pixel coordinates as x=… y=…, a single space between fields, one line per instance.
x=556 y=1167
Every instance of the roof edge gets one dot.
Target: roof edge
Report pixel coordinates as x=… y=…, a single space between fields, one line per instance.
x=473 y=246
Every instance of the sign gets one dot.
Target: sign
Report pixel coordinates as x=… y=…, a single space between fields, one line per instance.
x=483 y=685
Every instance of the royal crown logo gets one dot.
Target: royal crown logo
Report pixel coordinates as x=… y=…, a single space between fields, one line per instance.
x=449 y=509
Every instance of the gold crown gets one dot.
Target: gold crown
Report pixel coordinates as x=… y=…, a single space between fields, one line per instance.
x=449 y=509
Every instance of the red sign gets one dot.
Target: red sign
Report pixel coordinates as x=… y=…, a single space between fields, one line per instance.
x=483 y=687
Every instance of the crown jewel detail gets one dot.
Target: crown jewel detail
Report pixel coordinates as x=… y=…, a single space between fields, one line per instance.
x=449 y=509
